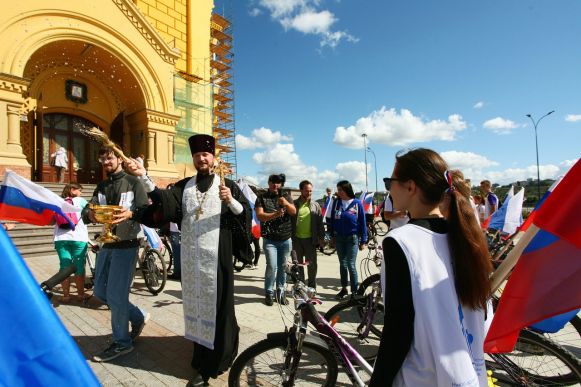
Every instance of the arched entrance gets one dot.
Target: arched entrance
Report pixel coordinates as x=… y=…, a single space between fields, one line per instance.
x=64 y=130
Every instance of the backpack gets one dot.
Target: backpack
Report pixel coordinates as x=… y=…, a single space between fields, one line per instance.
x=62 y=222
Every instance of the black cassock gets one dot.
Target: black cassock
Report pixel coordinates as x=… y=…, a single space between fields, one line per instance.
x=234 y=238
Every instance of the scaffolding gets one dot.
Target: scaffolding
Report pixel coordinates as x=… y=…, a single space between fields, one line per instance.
x=193 y=102
x=223 y=126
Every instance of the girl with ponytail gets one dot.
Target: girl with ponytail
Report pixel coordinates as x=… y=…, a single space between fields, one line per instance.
x=436 y=275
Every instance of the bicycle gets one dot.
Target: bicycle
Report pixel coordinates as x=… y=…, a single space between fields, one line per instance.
x=294 y=358
x=150 y=263
x=167 y=253
x=380 y=227
x=328 y=247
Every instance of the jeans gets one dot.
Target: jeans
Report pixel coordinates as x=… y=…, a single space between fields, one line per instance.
x=276 y=253
x=307 y=251
x=176 y=248
x=113 y=276
x=347 y=248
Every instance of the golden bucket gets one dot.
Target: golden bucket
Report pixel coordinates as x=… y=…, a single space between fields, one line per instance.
x=104 y=214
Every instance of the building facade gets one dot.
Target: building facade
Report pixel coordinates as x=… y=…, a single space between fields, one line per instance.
x=140 y=70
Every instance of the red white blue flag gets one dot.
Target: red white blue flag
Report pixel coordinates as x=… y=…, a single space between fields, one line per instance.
x=545 y=281
x=251 y=197
x=23 y=201
x=326 y=205
x=367 y=200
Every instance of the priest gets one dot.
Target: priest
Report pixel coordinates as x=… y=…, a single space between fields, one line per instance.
x=214 y=218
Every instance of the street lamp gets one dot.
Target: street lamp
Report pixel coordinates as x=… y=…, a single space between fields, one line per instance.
x=535 y=124
x=375 y=165
x=365 y=152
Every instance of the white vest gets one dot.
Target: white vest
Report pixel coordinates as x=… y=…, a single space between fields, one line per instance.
x=447 y=348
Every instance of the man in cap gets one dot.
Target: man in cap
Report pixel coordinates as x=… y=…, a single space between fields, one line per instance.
x=214 y=219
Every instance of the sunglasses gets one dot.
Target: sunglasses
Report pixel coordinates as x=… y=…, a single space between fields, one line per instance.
x=387 y=181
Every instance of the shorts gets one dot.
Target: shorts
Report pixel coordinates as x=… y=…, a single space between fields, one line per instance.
x=72 y=253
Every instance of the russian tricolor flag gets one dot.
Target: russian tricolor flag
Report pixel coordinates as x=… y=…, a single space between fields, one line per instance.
x=509 y=217
x=23 y=201
x=251 y=197
x=326 y=205
x=366 y=199
x=545 y=281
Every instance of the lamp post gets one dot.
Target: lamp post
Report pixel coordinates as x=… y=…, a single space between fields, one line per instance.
x=375 y=166
x=535 y=124
x=365 y=152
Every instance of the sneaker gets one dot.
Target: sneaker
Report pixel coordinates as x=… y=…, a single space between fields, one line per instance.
x=281 y=298
x=249 y=266
x=136 y=330
x=115 y=350
x=341 y=294
x=268 y=300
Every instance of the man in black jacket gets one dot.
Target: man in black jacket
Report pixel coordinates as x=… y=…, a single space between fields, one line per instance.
x=116 y=261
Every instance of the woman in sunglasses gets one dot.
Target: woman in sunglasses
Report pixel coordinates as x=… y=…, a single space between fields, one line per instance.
x=436 y=273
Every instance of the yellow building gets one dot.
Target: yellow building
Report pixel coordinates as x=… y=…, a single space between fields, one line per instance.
x=143 y=71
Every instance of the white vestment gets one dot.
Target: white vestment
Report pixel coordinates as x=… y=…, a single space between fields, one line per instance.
x=199 y=252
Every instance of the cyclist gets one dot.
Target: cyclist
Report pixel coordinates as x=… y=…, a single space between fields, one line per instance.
x=437 y=282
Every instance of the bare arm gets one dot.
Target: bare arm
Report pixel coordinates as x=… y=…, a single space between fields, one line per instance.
x=266 y=216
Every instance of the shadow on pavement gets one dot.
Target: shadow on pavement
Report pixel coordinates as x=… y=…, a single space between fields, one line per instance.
x=169 y=355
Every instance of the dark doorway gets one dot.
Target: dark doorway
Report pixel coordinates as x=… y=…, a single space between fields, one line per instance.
x=64 y=130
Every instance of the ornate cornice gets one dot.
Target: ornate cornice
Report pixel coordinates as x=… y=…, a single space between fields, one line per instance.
x=14 y=84
x=162 y=118
x=132 y=13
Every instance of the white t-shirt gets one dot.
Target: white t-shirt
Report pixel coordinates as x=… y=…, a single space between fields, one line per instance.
x=80 y=233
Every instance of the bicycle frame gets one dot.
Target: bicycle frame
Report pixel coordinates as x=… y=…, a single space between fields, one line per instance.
x=345 y=354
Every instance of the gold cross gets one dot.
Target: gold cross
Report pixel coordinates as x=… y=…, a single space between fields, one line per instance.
x=220 y=168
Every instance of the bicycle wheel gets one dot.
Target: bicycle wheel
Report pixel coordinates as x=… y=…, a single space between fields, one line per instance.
x=346 y=318
x=154 y=271
x=167 y=254
x=380 y=227
x=535 y=360
x=365 y=286
x=328 y=248
x=90 y=263
x=267 y=363
x=569 y=337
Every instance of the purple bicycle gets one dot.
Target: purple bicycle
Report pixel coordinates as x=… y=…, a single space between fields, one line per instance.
x=296 y=358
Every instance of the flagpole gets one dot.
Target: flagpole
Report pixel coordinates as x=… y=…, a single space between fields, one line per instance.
x=503 y=271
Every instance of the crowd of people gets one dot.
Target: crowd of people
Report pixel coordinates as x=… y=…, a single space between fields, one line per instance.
x=435 y=270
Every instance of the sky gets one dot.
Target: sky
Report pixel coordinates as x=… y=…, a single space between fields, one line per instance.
x=457 y=76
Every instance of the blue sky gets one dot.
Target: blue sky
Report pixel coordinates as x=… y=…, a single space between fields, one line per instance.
x=456 y=76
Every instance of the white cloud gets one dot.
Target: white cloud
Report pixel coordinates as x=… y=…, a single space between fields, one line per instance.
x=354 y=172
x=310 y=22
x=279 y=8
x=260 y=138
x=464 y=160
x=387 y=126
x=305 y=17
x=478 y=167
x=573 y=117
x=500 y=125
x=478 y=105
x=255 y=12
